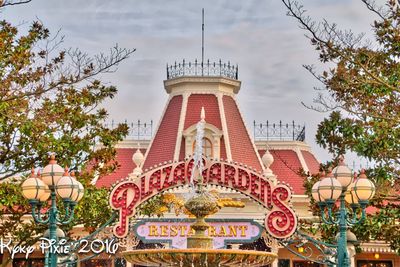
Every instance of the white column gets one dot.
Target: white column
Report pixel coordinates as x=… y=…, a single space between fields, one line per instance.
x=275 y=263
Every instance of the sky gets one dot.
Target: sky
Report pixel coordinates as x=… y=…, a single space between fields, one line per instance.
x=267 y=45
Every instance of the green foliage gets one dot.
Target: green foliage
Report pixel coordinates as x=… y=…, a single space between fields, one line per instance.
x=362 y=94
x=50 y=101
x=362 y=86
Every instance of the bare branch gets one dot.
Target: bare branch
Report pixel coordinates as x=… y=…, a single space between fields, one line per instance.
x=13 y=3
x=371 y=5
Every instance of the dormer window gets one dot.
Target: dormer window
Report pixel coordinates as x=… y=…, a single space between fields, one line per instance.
x=211 y=141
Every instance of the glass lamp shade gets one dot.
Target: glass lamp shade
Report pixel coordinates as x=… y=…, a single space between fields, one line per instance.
x=33 y=188
x=78 y=194
x=329 y=188
x=315 y=192
x=52 y=172
x=350 y=196
x=364 y=188
x=67 y=187
x=46 y=194
x=343 y=174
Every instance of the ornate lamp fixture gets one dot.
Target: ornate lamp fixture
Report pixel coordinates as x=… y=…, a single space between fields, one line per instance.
x=53 y=181
x=339 y=187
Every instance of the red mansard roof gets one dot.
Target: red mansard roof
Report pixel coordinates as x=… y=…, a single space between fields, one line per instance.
x=286 y=166
x=126 y=166
x=163 y=145
x=311 y=161
x=210 y=104
x=241 y=145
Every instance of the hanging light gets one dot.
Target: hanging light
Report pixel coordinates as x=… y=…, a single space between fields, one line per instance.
x=342 y=173
x=329 y=189
x=364 y=188
x=66 y=186
x=33 y=188
x=52 y=172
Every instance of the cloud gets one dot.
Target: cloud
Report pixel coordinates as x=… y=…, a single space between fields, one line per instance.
x=268 y=46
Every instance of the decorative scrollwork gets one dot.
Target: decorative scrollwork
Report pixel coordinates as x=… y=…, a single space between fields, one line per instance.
x=130 y=241
x=309 y=248
x=270 y=242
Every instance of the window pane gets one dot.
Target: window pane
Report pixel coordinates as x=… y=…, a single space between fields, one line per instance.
x=207 y=147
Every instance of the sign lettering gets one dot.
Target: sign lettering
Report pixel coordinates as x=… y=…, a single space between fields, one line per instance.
x=280 y=222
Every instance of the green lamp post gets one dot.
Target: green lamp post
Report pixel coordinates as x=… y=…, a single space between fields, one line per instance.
x=339 y=187
x=53 y=181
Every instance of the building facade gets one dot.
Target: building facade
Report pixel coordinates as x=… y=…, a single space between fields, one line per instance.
x=276 y=150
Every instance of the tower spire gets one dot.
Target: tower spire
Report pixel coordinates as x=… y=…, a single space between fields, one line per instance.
x=202 y=38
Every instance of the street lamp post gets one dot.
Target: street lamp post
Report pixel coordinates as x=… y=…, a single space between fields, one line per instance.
x=53 y=181
x=338 y=187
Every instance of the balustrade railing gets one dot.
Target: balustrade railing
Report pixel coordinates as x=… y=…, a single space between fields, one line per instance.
x=137 y=130
x=214 y=69
x=279 y=131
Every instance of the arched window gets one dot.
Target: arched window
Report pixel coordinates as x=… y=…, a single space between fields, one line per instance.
x=207 y=147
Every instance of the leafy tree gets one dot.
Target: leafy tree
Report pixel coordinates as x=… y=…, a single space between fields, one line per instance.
x=361 y=90
x=50 y=101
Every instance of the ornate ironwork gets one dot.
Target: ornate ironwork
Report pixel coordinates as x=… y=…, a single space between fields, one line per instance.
x=137 y=130
x=279 y=131
x=213 y=69
x=311 y=249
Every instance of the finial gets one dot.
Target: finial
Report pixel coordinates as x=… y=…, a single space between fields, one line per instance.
x=32 y=172
x=202 y=114
x=202 y=36
x=38 y=173
x=65 y=171
x=341 y=160
x=138 y=157
x=267 y=159
x=72 y=173
x=362 y=174
x=52 y=158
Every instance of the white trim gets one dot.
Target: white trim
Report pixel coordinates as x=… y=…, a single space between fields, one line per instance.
x=301 y=159
x=142 y=144
x=158 y=127
x=282 y=145
x=215 y=84
x=224 y=126
x=181 y=125
x=211 y=127
x=376 y=246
